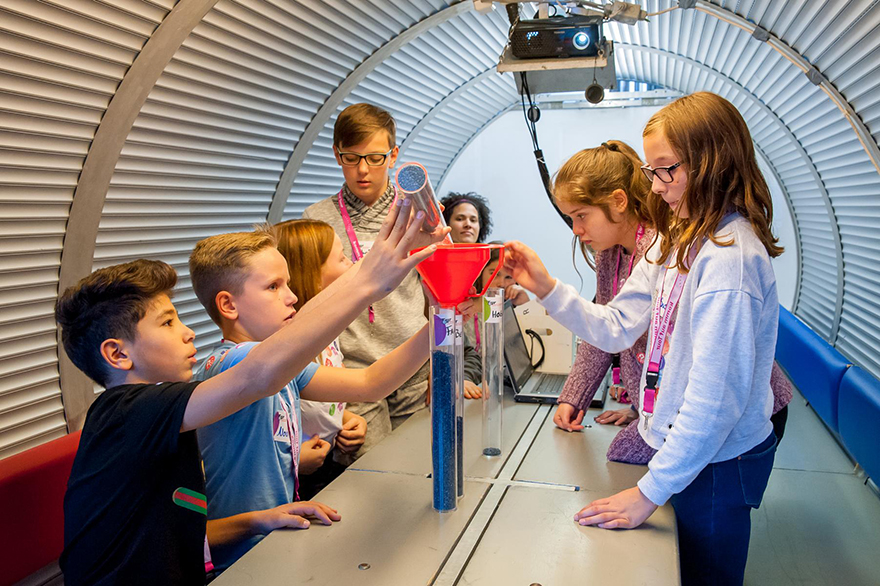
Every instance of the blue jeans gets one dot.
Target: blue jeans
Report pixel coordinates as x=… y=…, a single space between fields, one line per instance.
x=713 y=515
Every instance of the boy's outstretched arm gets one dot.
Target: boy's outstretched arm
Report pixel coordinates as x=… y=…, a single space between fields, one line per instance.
x=375 y=382
x=344 y=282
x=277 y=360
x=233 y=529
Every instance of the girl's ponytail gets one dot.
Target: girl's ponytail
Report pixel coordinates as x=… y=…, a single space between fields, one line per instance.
x=591 y=176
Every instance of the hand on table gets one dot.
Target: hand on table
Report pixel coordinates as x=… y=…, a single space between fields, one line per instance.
x=618 y=417
x=625 y=510
x=568 y=417
x=614 y=391
x=472 y=391
x=294 y=515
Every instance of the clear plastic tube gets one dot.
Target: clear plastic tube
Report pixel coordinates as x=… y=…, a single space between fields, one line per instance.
x=459 y=403
x=443 y=368
x=412 y=180
x=493 y=370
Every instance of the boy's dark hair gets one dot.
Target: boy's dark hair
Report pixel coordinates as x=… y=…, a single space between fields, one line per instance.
x=109 y=303
x=359 y=122
x=475 y=199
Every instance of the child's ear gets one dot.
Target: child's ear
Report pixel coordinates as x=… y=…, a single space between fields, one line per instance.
x=114 y=352
x=336 y=154
x=392 y=158
x=621 y=200
x=226 y=305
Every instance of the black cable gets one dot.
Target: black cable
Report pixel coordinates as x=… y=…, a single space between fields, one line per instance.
x=535 y=336
x=512 y=13
x=531 y=115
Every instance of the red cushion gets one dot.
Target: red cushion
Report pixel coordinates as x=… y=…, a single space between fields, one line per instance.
x=32 y=486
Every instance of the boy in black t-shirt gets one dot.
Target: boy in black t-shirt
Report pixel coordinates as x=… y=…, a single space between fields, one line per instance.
x=135 y=506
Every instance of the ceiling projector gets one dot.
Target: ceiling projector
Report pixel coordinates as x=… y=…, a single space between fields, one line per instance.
x=573 y=36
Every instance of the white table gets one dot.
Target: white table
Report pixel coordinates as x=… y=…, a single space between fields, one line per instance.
x=513 y=526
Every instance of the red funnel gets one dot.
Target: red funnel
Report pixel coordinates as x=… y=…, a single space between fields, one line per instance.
x=451 y=271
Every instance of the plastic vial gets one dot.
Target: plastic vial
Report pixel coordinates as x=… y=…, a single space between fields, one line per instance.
x=493 y=370
x=459 y=403
x=443 y=368
x=412 y=179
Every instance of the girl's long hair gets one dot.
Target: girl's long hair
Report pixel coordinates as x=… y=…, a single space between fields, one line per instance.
x=590 y=176
x=715 y=148
x=305 y=245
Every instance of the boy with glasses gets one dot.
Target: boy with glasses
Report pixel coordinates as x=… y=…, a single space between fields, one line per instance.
x=364 y=138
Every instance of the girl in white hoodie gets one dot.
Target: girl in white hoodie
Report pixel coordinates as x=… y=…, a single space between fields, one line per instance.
x=706 y=401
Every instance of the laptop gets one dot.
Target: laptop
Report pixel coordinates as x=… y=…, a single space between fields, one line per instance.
x=528 y=386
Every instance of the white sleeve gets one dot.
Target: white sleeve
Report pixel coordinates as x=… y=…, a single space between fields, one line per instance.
x=614 y=327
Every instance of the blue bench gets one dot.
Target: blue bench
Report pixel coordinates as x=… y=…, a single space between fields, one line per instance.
x=859 y=415
x=813 y=365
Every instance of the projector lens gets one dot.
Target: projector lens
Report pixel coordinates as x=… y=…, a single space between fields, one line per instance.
x=581 y=41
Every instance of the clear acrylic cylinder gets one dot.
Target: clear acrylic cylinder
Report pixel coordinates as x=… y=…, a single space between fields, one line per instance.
x=459 y=404
x=493 y=370
x=443 y=368
x=412 y=179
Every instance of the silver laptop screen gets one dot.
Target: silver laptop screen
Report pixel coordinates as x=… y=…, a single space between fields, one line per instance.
x=518 y=360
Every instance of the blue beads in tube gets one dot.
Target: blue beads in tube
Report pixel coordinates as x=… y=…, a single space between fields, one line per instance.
x=443 y=368
x=459 y=403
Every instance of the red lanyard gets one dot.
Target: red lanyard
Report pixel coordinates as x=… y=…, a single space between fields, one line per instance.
x=659 y=330
x=356 y=252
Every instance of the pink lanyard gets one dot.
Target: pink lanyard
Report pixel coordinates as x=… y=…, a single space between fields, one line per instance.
x=659 y=330
x=356 y=252
x=640 y=231
x=615 y=359
x=293 y=434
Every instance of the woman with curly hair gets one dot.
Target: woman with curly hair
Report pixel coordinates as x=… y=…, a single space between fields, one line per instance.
x=468 y=215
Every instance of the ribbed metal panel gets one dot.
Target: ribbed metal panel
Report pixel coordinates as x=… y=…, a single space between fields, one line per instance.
x=409 y=83
x=60 y=64
x=452 y=129
x=209 y=146
x=841 y=40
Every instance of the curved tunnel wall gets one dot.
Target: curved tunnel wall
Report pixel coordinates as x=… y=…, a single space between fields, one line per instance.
x=226 y=122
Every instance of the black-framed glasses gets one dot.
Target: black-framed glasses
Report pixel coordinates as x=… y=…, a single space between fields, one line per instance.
x=372 y=159
x=664 y=174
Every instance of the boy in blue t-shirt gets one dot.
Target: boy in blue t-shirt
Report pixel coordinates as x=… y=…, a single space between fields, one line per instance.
x=135 y=509
x=251 y=458
x=233 y=449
